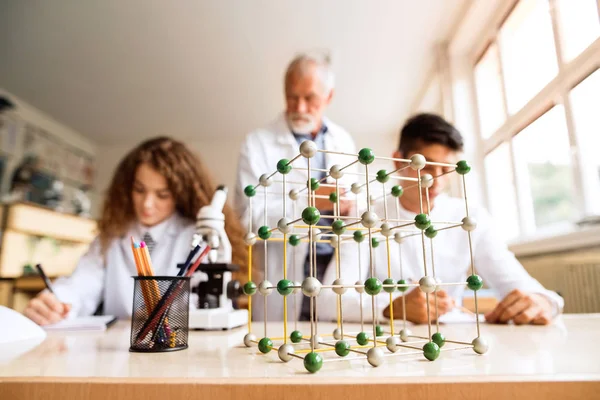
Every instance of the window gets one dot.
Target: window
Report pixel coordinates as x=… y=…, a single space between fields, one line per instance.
x=544 y=171
x=541 y=158
x=501 y=191
x=579 y=26
x=528 y=52
x=489 y=92
x=585 y=102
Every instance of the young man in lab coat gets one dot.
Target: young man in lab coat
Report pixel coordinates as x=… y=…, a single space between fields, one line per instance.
x=523 y=299
x=309 y=84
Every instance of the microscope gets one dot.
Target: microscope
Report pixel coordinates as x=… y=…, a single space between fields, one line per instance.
x=212 y=286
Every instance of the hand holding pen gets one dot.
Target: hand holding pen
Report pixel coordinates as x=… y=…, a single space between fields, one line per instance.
x=46 y=308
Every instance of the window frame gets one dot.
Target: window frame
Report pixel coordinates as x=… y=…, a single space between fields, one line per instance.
x=555 y=92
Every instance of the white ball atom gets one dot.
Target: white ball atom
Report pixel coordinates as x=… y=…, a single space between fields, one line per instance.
x=250 y=239
x=311 y=287
x=398 y=237
x=337 y=333
x=334 y=241
x=480 y=345
x=469 y=224
x=375 y=356
x=316 y=233
x=335 y=172
x=386 y=230
x=294 y=194
x=356 y=188
x=417 y=162
x=369 y=219
x=392 y=343
x=308 y=149
x=316 y=341
x=405 y=335
x=265 y=181
x=426 y=180
x=265 y=288
x=285 y=352
x=427 y=284
x=249 y=339
x=339 y=282
x=283 y=225
x=359 y=289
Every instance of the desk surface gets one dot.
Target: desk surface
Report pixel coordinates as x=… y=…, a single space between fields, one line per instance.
x=553 y=361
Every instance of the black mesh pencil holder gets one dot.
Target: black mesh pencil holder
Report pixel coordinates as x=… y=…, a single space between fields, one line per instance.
x=160 y=317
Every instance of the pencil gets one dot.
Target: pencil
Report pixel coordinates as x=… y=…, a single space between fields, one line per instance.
x=153 y=321
x=141 y=272
x=147 y=265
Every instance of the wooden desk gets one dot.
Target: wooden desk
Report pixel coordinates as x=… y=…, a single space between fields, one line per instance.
x=561 y=361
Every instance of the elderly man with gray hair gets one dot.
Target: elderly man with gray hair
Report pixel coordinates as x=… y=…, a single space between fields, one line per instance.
x=309 y=84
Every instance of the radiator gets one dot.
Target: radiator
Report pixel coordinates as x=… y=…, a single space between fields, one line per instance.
x=575 y=276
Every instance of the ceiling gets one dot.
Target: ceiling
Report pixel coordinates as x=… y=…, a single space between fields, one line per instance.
x=118 y=70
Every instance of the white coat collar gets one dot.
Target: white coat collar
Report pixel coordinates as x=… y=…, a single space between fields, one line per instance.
x=284 y=135
x=168 y=228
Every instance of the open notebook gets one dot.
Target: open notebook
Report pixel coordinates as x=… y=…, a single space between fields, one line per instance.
x=94 y=323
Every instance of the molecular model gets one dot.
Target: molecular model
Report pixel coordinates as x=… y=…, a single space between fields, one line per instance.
x=346 y=231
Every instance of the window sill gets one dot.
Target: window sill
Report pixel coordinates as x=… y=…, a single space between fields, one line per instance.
x=573 y=238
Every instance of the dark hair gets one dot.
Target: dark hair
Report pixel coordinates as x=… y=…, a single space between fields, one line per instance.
x=423 y=129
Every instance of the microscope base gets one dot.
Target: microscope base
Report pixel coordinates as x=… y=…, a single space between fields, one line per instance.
x=217 y=318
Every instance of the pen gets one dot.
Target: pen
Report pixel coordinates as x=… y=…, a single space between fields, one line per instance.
x=165 y=302
x=45 y=278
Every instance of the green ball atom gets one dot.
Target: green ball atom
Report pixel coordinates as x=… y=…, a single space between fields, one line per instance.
x=264 y=232
x=338 y=227
x=294 y=240
x=250 y=288
x=362 y=338
x=296 y=337
x=431 y=351
x=400 y=288
x=265 y=345
x=382 y=176
x=314 y=184
x=474 y=282
x=378 y=330
x=438 y=339
x=333 y=197
x=431 y=232
x=366 y=156
x=342 y=348
x=374 y=242
x=283 y=287
x=422 y=221
x=283 y=166
x=463 y=167
x=313 y=362
x=249 y=191
x=310 y=216
x=397 y=191
x=373 y=286
x=389 y=281
x=358 y=236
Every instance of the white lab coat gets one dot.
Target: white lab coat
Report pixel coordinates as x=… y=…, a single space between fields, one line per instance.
x=497 y=266
x=108 y=278
x=259 y=154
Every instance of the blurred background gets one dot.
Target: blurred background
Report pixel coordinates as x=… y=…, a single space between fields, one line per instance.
x=82 y=82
